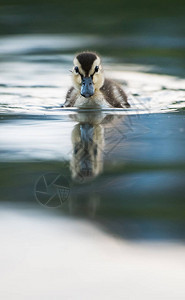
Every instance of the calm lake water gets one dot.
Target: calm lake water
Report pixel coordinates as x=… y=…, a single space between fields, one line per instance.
x=85 y=192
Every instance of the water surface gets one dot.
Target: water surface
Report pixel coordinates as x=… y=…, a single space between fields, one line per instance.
x=125 y=170
x=143 y=144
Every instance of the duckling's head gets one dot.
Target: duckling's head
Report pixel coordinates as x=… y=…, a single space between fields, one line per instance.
x=87 y=73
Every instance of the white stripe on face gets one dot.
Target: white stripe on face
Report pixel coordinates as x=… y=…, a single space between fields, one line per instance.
x=95 y=63
x=77 y=64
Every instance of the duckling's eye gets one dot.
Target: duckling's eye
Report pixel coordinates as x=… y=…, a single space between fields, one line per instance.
x=96 y=69
x=76 y=70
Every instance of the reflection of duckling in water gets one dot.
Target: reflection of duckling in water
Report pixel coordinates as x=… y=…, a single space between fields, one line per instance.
x=88 y=144
x=90 y=88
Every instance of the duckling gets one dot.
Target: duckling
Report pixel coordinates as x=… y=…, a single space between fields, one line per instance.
x=90 y=88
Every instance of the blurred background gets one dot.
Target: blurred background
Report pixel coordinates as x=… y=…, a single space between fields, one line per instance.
x=120 y=232
x=136 y=32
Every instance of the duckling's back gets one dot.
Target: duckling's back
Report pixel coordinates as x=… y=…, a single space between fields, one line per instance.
x=114 y=94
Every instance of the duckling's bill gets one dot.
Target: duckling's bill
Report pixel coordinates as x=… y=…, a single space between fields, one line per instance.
x=87 y=87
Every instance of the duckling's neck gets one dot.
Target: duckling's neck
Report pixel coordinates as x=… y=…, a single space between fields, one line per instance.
x=95 y=101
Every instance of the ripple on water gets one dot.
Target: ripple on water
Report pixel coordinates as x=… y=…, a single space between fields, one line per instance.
x=44 y=92
x=35 y=76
